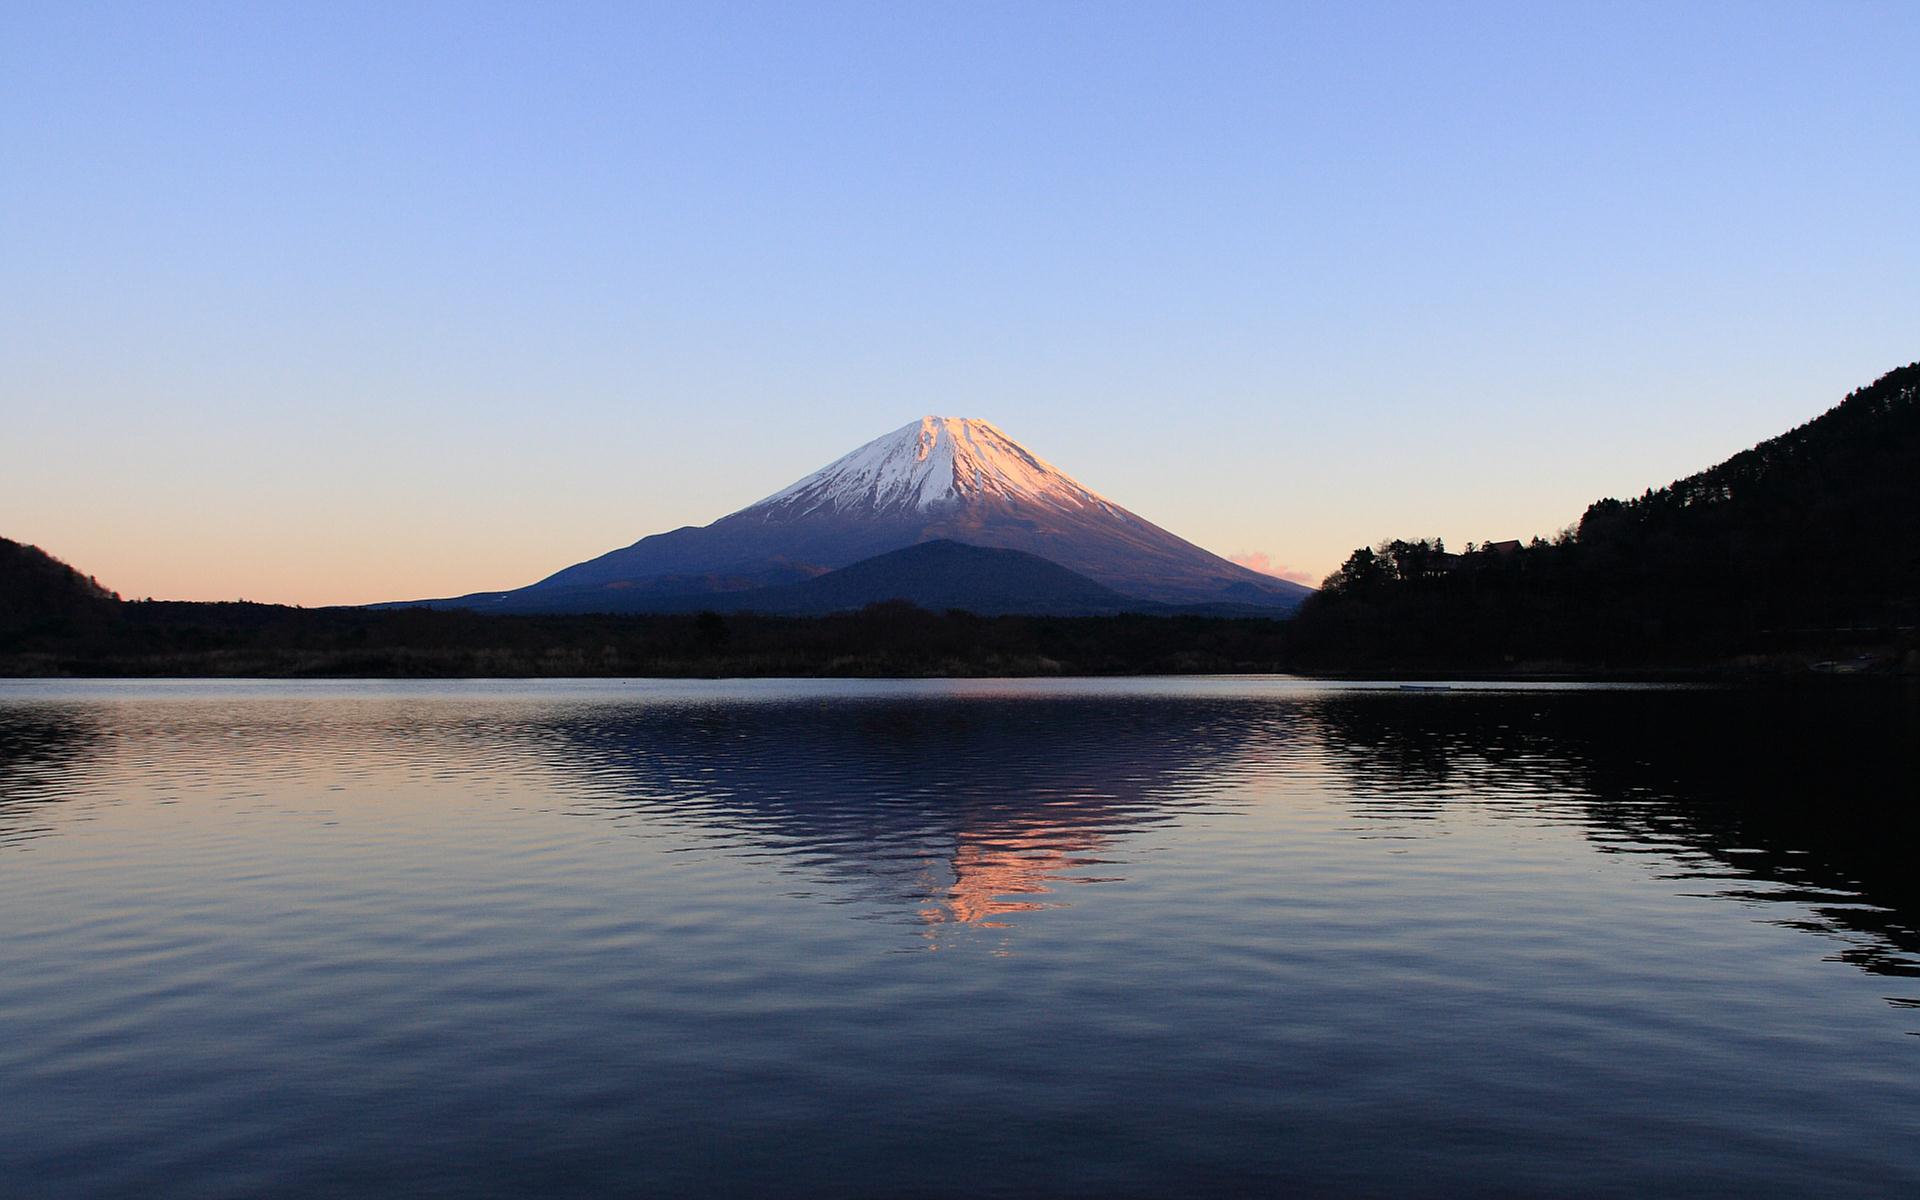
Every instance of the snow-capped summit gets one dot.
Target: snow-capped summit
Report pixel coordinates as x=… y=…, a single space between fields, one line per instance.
x=932 y=462
x=936 y=479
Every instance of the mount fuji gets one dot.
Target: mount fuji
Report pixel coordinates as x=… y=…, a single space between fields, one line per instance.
x=938 y=479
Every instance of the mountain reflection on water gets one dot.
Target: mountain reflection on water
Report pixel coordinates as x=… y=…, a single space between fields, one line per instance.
x=978 y=811
x=954 y=813
x=1203 y=937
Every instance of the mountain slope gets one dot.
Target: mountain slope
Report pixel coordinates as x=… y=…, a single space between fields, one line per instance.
x=945 y=574
x=937 y=575
x=1809 y=541
x=937 y=478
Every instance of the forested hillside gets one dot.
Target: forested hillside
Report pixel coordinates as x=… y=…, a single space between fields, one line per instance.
x=1808 y=543
x=39 y=592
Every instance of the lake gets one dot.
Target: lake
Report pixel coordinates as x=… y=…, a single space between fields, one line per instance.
x=1218 y=936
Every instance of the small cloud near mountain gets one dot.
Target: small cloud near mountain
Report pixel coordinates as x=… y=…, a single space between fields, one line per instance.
x=1257 y=561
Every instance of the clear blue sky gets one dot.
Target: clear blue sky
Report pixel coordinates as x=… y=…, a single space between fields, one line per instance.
x=345 y=302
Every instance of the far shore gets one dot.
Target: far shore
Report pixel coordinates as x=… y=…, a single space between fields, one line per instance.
x=351 y=668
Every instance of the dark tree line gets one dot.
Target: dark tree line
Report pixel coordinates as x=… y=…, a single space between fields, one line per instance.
x=161 y=638
x=1809 y=542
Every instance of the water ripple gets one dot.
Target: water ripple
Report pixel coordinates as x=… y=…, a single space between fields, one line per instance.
x=1079 y=937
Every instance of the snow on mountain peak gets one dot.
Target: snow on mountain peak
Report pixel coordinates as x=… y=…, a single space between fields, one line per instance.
x=935 y=462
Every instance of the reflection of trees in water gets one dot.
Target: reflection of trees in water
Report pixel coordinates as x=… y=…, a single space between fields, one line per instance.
x=972 y=811
x=1810 y=792
x=957 y=811
x=40 y=746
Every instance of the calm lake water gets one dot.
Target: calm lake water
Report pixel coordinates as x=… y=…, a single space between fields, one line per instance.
x=1069 y=938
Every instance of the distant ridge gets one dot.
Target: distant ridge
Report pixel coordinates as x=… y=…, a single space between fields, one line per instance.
x=935 y=479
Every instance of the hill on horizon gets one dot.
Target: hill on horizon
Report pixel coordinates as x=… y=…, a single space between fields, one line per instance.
x=37 y=588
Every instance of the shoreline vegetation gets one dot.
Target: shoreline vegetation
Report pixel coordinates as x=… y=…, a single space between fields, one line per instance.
x=893 y=639
x=166 y=639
